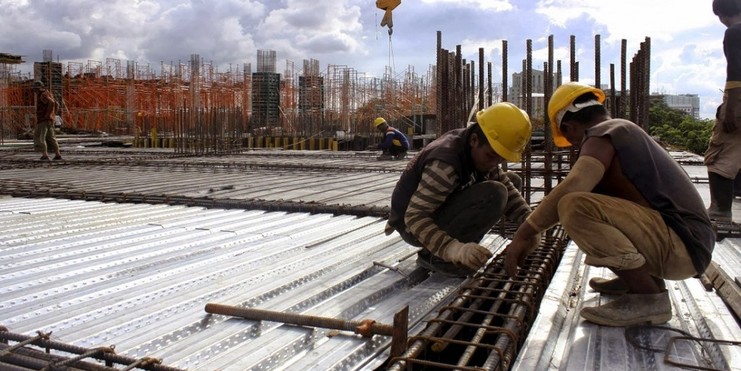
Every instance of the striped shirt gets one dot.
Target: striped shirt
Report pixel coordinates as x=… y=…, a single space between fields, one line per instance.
x=439 y=180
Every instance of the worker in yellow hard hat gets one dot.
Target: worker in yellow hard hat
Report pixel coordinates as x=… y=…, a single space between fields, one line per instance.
x=627 y=204
x=454 y=190
x=394 y=144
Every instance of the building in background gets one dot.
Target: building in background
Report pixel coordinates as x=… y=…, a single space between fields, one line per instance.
x=687 y=103
x=518 y=91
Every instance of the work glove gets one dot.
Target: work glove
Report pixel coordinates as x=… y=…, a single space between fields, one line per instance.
x=471 y=254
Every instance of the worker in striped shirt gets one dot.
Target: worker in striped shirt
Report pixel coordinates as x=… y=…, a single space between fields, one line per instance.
x=454 y=191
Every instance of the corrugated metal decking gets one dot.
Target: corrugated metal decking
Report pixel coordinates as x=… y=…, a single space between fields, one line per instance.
x=138 y=275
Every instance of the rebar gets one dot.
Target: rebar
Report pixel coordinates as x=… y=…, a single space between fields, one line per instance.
x=35 y=359
x=366 y=328
x=489 y=318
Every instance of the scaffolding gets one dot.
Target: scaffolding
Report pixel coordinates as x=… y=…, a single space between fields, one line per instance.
x=195 y=108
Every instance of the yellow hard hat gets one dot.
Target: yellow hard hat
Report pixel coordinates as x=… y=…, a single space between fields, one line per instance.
x=378 y=121
x=562 y=99
x=507 y=128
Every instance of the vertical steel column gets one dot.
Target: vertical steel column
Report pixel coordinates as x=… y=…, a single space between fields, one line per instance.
x=527 y=158
x=597 y=62
x=574 y=70
x=646 y=76
x=504 y=72
x=481 y=79
x=623 y=73
x=490 y=86
x=548 y=88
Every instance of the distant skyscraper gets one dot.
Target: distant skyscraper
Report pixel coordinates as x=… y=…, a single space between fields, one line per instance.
x=688 y=103
x=518 y=89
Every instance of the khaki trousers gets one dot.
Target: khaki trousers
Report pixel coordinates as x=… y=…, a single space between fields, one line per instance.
x=723 y=155
x=622 y=235
x=43 y=137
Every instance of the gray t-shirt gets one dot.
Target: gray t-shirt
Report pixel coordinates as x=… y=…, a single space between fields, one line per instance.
x=664 y=185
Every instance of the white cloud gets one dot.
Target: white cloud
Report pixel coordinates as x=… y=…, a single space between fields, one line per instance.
x=495 y=5
x=633 y=19
x=685 y=35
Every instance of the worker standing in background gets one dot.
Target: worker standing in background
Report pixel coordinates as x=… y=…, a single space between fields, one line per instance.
x=723 y=156
x=454 y=191
x=627 y=204
x=46 y=110
x=394 y=144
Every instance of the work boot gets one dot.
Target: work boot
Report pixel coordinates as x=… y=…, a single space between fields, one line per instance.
x=616 y=286
x=721 y=197
x=385 y=157
x=426 y=260
x=631 y=309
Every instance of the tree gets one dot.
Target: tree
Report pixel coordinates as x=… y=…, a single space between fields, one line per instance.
x=678 y=129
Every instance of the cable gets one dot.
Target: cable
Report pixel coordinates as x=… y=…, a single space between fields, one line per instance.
x=633 y=333
x=391 y=55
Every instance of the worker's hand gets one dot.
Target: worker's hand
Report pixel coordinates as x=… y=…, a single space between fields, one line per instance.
x=471 y=254
x=517 y=251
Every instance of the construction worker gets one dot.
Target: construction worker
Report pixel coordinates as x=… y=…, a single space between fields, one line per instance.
x=627 y=204
x=723 y=155
x=46 y=110
x=394 y=144
x=454 y=191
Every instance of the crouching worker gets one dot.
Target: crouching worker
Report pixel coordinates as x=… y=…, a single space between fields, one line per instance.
x=453 y=191
x=394 y=144
x=627 y=204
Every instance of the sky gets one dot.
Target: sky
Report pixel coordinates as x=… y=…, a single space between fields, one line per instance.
x=686 y=37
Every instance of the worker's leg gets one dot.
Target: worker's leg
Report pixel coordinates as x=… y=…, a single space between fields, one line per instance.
x=467 y=216
x=737 y=185
x=721 y=197
x=471 y=213
x=397 y=152
x=51 y=141
x=385 y=155
x=723 y=160
x=39 y=138
x=636 y=244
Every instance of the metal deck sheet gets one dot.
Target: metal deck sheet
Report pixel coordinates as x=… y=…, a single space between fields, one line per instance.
x=561 y=340
x=310 y=178
x=138 y=277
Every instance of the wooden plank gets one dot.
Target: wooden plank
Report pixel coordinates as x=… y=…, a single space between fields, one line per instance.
x=726 y=287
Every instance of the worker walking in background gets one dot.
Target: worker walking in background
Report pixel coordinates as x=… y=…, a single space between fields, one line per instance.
x=394 y=144
x=627 y=204
x=454 y=191
x=723 y=156
x=44 y=139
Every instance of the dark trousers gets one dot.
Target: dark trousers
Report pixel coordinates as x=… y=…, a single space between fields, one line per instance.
x=469 y=214
x=394 y=150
